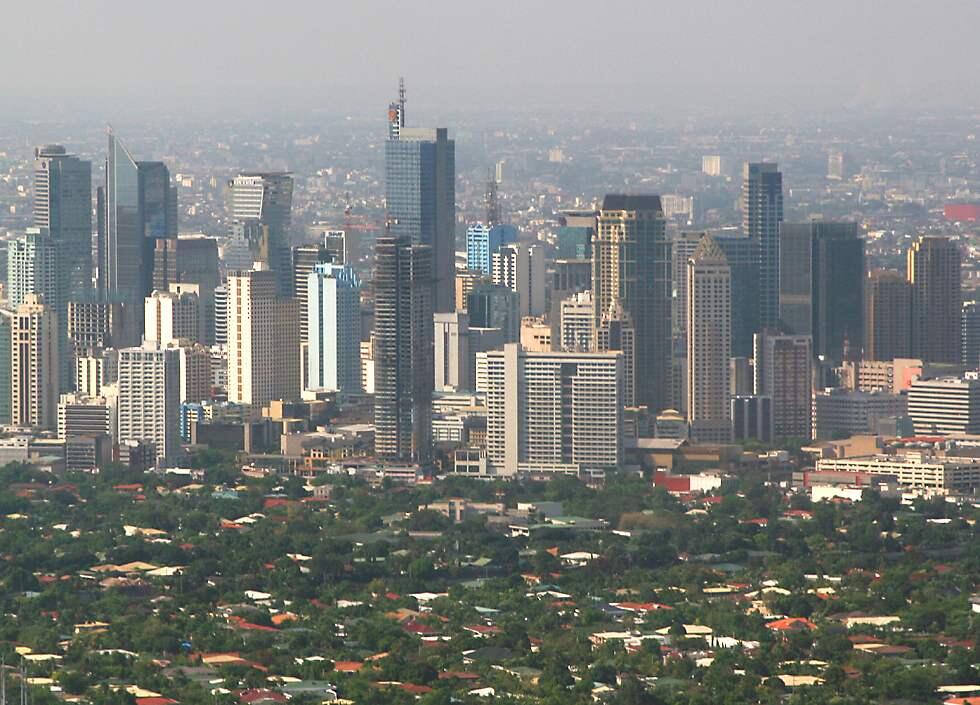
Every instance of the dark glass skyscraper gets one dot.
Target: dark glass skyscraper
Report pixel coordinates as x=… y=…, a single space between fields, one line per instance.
x=403 y=354
x=420 y=195
x=762 y=211
x=934 y=274
x=63 y=205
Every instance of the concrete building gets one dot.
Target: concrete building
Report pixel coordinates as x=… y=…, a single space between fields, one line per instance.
x=81 y=415
x=535 y=334
x=945 y=406
x=453 y=360
x=709 y=326
x=933 y=272
x=970 y=334
x=762 y=212
x=172 y=315
x=553 y=412
x=617 y=334
x=887 y=316
x=482 y=241
x=34 y=364
x=576 y=323
x=261 y=211
x=263 y=340
x=839 y=413
x=784 y=372
x=521 y=269
x=149 y=399
x=918 y=471
x=334 y=320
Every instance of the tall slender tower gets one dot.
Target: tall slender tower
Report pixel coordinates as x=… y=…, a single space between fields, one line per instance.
x=762 y=211
x=934 y=275
x=63 y=205
x=709 y=332
x=149 y=398
x=403 y=355
x=887 y=316
x=34 y=364
x=334 y=315
x=261 y=208
x=420 y=195
x=631 y=269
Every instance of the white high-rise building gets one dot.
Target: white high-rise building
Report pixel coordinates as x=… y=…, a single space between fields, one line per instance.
x=172 y=315
x=34 y=364
x=82 y=415
x=945 y=406
x=453 y=363
x=553 y=412
x=709 y=325
x=334 y=328
x=263 y=340
x=149 y=398
x=577 y=320
x=521 y=268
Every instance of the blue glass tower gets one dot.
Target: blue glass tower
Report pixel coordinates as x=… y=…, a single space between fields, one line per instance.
x=483 y=241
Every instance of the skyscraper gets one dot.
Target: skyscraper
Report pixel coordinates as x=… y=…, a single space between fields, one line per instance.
x=495 y=306
x=887 y=316
x=263 y=339
x=420 y=195
x=452 y=356
x=762 y=211
x=149 y=398
x=553 y=412
x=403 y=356
x=482 y=241
x=261 y=208
x=172 y=315
x=334 y=316
x=34 y=364
x=631 y=269
x=63 y=205
x=709 y=329
x=305 y=259
x=934 y=275
x=520 y=268
x=576 y=323
x=970 y=333
x=137 y=206
x=784 y=372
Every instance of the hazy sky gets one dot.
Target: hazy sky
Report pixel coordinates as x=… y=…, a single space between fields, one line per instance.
x=646 y=55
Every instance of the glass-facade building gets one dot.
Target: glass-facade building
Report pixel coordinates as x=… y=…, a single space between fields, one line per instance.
x=483 y=241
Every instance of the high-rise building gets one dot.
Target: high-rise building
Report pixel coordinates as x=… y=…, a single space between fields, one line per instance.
x=709 y=329
x=553 y=412
x=934 y=275
x=682 y=247
x=334 y=316
x=970 y=334
x=195 y=371
x=190 y=260
x=34 y=364
x=420 y=196
x=7 y=322
x=762 y=212
x=784 y=372
x=887 y=316
x=711 y=165
x=567 y=278
x=149 y=399
x=493 y=306
x=751 y=418
x=451 y=352
x=521 y=269
x=33 y=268
x=63 y=205
x=631 y=269
x=94 y=324
x=263 y=339
x=82 y=415
x=841 y=413
x=945 y=406
x=137 y=207
x=835 y=165
x=221 y=314
x=742 y=254
x=482 y=241
x=617 y=334
x=576 y=229
x=535 y=334
x=261 y=209
x=403 y=355
x=305 y=258
x=576 y=323
x=172 y=315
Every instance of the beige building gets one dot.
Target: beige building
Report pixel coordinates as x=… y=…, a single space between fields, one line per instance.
x=169 y=315
x=914 y=470
x=34 y=364
x=535 y=334
x=709 y=325
x=263 y=340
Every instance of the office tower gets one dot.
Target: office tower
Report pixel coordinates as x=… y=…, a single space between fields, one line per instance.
x=887 y=316
x=841 y=413
x=709 y=329
x=682 y=247
x=403 y=354
x=305 y=258
x=339 y=246
x=762 y=212
x=553 y=412
x=197 y=263
x=784 y=372
x=576 y=229
x=492 y=201
x=334 y=315
x=95 y=372
x=835 y=165
x=751 y=418
x=711 y=165
x=63 y=206
x=821 y=286
x=740 y=374
x=535 y=334
x=493 y=306
x=451 y=352
x=195 y=370
x=617 y=334
x=742 y=254
x=520 y=268
x=34 y=364
x=7 y=322
x=261 y=208
x=567 y=278
x=94 y=324
x=221 y=314
x=420 y=196
x=32 y=268
x=83 y=415
x=172 y=315
x=137 y=207
x=631 y=269
x=945 y=406
x=149 y=399
x=576 y=323
x=164 y=263
x=465 y=281
x=263 y=339
x=934 y=275
x=970 y=334
x=482 y=241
